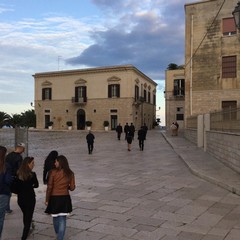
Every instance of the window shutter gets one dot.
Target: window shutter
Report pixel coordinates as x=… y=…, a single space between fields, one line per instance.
x=118 y=90
x=228 y=25
x=109 y=91
x=43 y=95
x=84 y=93
x=50 y=94
x=76 y=94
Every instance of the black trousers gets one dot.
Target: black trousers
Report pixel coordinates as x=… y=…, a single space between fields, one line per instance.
x=119 y=135
x=27 y=207
x=90 y=147
x=141 y=144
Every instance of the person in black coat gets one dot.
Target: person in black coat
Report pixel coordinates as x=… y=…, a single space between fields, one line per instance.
x=141 y=138
x=126 y=130
x=90 y=140
x=119 y=130
x=132 y=130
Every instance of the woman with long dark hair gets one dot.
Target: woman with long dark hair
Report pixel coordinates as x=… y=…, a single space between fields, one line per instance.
x=27 y=181
x=49 y=164
x=58 y=200
x=5 y=180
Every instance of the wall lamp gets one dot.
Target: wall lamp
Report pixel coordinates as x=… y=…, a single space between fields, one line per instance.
x=236 y=15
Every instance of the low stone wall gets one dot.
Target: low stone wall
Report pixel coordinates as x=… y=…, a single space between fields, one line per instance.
x=191 y=135
x=225 y=147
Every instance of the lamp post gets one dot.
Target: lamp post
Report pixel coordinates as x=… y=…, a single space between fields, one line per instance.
x=236 y=15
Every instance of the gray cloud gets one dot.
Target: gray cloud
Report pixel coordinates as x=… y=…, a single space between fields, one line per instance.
x=149 y=38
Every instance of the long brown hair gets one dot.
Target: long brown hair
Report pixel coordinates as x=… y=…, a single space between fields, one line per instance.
x=3 y=152
x=24 y=172
x=63 y=164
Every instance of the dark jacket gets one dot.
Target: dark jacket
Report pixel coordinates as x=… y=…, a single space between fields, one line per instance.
x=14 y=160
x=90 y=138
x=141 y=134
x=5 y=181
x=26 y=188
x=119 y=129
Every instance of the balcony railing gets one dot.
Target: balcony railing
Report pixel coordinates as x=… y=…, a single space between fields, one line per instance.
x=80 y=100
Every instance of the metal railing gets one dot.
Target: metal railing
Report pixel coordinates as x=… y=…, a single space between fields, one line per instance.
x=226 y=120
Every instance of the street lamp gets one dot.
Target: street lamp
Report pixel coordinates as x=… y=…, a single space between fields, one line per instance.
x=236 y=15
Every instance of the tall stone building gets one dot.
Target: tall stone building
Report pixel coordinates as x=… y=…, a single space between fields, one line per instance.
x=174 y=97
x=117 y=94
x=212 y=51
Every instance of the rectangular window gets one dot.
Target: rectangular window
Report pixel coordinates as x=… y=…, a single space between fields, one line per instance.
x=149 y=97
x=228 y=26
x=114 y=90
x=229 y=67
x=81 y=94
x=229 y=110
x=179 y=87
x=113 y=110
x=46 y=94
x=145 y=95
x=179 y=116
x=136 y=92
x=154 y=99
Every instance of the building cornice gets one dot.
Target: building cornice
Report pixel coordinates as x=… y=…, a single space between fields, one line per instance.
x=119 y=68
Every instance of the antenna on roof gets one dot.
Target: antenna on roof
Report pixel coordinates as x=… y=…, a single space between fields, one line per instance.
x=59 y=57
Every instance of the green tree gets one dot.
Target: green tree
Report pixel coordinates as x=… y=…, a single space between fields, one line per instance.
x=15 y=119
x=174 y=66
x=4 y=117
x=28 y=118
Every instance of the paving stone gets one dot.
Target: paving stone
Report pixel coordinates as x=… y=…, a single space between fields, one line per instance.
x=121 y=195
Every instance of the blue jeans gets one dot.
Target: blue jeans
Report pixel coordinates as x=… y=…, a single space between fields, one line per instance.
x=59 y=224
x=4 y=199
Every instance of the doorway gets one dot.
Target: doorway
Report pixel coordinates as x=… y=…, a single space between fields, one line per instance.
x=81 y=117
x=114 y=122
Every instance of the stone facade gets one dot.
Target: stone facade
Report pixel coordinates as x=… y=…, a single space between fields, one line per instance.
x=96 y=105
x=174 y=101
x=206 y=45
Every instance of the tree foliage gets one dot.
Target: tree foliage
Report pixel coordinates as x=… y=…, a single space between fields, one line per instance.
x=174 y=66
x=25 y=119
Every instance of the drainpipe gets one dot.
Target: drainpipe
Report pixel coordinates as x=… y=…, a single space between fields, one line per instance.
x=191 y=55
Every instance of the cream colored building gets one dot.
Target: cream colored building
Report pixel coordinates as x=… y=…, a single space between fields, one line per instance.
x=117 y=94
x=212 y=57
x=174 y=97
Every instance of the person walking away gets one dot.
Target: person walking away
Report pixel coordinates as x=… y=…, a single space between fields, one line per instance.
x=129 y=140
x=126 y=130
x=141 y=138
x=132 y=130
x=145 y=128
x=27 y=181
x=90 y=141
x=173 y=128
x=177 y=125
x=58 y=200
x=49 y=164
x=119 y=130
x=5 y=180
x=14 y=160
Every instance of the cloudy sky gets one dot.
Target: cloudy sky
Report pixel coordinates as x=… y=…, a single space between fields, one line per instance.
x=50 y=35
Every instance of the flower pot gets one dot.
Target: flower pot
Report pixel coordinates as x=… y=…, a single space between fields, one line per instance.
x=49 y=127
x=69 y=127
x=106 y=128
